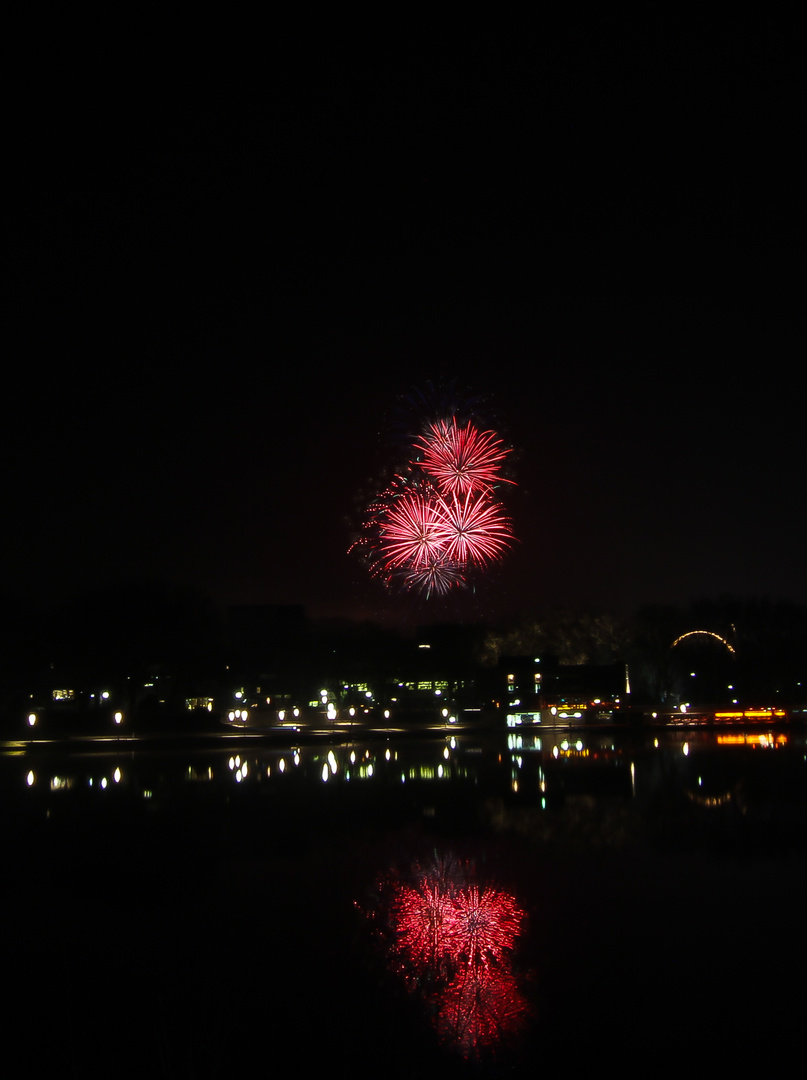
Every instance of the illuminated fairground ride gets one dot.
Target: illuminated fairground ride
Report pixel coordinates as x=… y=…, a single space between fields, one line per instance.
x=710 y=694
x=746 y=681
x=699 y=635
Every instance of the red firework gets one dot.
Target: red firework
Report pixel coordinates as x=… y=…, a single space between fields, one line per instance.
x=409 y=532
x=439 y=519
x=461 y=459
x=434 y=578
x=473 y=529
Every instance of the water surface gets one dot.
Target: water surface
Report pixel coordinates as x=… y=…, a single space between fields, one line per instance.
x=414 y=907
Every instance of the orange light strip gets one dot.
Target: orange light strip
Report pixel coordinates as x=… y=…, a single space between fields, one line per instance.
x=752 y=740
x=707 y=633
x=752 y=714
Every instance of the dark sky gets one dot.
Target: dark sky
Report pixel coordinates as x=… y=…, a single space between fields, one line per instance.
x=232 y=260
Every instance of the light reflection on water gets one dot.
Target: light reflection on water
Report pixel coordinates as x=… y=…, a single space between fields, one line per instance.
x=512 y=884
x=519 y=773
x=451 y=939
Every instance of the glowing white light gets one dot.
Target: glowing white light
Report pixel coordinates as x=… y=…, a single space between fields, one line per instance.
x=282 y=765
x=105 y=695
x=325 y=772
x=31 y=719
x=116 y=776
x=30 y=779
x=118 y=717
x=332 y=761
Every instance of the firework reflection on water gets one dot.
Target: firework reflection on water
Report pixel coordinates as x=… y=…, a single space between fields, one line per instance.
x=452 y=940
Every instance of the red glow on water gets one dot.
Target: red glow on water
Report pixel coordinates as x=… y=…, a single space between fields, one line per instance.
x=479 y=1008
x=453 y=940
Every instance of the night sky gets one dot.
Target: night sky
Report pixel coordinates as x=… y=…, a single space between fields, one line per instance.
x=233 y=263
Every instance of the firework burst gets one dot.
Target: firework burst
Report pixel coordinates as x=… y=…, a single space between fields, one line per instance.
x=410 y=531
x=461 y=459
x=440 y=521
x=473 y=529
x=437 y=577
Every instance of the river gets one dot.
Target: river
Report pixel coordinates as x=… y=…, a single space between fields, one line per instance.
x=480 y=904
